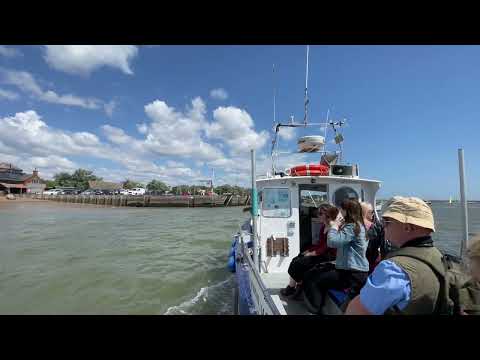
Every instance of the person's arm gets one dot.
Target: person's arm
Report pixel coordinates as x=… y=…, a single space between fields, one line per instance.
x=337 y=238
x=355 y=307
x=386 y=287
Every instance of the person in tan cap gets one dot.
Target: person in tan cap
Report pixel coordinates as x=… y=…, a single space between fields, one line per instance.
x=402 y=284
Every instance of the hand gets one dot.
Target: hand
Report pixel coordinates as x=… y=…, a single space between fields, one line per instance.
x=340 y=219
x=333 y=224
x=309 y=253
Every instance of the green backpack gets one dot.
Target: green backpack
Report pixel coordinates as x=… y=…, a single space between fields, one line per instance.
x=457 y=291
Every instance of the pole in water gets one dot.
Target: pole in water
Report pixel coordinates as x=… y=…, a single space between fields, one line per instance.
x=463 y=199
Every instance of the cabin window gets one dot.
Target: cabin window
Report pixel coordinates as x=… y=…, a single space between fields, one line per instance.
x=276 y=202
x=343 y=193
x=313 y=195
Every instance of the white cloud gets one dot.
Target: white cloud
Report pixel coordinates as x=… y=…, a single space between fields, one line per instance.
x=142 y=128
x=287 y=133
x=235 y=127
x=219 y=94
x=175 y=164
x=71 y=100
x=175 y=133
x=26 y=82
x=9 y=95
x=109 y=107
x=53 y=162
x=116 y=135
x=84 y=59
x=47 y=165
x=9 y=52
x=27 y=133
x=22 y=80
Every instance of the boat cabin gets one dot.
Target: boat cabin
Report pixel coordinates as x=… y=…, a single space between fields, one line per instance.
x=285 y=206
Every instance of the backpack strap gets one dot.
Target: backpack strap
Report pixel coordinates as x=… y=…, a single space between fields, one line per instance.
x=427 y=256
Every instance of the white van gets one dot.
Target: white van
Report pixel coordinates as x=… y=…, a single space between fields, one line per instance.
x=136 y=191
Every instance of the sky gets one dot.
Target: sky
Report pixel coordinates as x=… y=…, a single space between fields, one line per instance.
x=177 y=113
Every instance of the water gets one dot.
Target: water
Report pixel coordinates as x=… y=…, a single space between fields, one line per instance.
x=81 y=259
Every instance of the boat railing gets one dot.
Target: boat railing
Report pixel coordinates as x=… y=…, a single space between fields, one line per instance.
x=266 y=295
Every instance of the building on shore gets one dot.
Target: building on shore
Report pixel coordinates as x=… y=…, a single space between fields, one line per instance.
x=104 y=186
x=14 y=180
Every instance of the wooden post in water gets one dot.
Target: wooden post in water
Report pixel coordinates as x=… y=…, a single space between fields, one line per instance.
x=463 y=199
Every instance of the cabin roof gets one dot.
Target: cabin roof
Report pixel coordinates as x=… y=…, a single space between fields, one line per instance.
x=318 y=179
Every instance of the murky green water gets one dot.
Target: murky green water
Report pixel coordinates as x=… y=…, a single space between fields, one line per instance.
x=64 y=259
x=80 y=259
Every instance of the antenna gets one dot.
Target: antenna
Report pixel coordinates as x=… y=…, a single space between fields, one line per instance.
x=274 y=120
x=274 y=93
x=306 y=90
x=326 y=125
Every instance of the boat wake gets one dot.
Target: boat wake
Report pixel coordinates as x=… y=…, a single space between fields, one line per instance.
x=206 y=298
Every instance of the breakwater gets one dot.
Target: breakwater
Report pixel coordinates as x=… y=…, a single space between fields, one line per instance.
x=147 y=200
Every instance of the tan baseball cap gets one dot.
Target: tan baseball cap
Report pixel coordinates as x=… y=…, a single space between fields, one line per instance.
x=474 y=248
x=409 y=210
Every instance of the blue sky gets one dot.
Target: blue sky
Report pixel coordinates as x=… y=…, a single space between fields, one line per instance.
x=174 y=113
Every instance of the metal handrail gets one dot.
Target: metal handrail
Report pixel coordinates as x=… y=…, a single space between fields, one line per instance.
x=258 y=278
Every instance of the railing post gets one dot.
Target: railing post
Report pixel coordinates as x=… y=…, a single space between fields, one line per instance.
x=256 y=251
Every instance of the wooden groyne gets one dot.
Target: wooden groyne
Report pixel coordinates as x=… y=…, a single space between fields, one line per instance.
x=147 y=200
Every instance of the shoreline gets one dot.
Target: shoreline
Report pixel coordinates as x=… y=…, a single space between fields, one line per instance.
x=4 y=200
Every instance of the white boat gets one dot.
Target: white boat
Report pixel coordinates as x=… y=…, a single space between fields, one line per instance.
x=276 y=233
x=262 y=273
x=265 y=245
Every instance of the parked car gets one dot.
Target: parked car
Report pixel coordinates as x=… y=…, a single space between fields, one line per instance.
x=69 y=192
x=88 y=192
x=53 y=192
x=122 y=192
x=137 y=191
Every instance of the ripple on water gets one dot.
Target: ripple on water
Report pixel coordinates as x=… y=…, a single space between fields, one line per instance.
x=75 y=260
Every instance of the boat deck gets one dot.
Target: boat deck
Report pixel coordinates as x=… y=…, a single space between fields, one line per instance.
x=277 y=281
x=274 y=282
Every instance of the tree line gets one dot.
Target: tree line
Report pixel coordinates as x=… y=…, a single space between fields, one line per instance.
x=79 y=179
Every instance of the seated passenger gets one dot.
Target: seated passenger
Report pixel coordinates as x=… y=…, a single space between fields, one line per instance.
x=348 y=236
x=312 y=256
x=378 y=246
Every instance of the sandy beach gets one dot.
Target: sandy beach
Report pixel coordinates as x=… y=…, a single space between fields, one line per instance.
x=4 y=201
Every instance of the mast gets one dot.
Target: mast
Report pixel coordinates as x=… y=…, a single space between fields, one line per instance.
x=274 y=120
x=306 y=90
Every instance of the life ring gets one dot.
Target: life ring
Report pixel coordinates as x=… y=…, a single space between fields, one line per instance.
x=310 y=170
